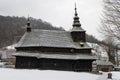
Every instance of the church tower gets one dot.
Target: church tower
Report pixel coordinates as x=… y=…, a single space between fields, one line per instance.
x=77 y=33
x=28 y=25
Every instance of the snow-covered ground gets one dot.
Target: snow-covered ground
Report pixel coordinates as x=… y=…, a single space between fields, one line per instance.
x=116 y=75
x=23 y=74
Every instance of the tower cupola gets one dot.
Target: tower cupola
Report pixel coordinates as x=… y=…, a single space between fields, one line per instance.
x=76 y=22
x=77 y=33
x=28 y=25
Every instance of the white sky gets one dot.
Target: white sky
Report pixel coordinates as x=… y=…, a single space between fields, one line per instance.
x=57 y=12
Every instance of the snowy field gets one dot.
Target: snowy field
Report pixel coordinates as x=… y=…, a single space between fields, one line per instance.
x=116 y=75
x=23 y=74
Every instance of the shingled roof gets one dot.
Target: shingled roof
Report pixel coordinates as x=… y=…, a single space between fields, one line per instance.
x=49 y=38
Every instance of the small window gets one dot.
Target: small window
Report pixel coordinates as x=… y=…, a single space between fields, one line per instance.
x=81 y=44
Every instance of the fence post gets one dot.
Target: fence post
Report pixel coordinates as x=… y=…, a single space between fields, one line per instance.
x=109 y=75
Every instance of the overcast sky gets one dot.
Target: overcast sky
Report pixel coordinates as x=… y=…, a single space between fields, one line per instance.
x=57 y=12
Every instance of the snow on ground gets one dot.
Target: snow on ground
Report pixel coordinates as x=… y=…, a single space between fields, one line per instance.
x=116 y=75
x=24 y=74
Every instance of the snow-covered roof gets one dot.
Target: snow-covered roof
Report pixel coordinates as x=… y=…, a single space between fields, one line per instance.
x=103 y=62
x=58 y=55
x=49 y=38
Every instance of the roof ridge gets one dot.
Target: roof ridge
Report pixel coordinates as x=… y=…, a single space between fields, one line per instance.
x=49 y=30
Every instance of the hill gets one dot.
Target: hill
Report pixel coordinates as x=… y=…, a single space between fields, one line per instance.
x=13 y=27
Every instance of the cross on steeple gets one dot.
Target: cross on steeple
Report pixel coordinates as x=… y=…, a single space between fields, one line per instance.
x=75 y=10
x=28 y=21
x=28 y=24
x=76 y=22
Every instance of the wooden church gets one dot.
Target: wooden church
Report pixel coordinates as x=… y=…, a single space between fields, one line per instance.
x=54 y=50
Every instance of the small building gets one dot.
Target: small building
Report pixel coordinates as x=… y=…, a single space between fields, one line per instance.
x=6 y=55
x=102 y=65
x=54 y=50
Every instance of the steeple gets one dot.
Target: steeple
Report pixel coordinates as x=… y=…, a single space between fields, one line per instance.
x=76 y=22
x=77 y=33
x=28 y=25
x=75 y=10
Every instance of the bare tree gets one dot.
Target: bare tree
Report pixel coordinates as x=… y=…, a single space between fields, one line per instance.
x=110 y=48
x=111 y=19
x=110 y=28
